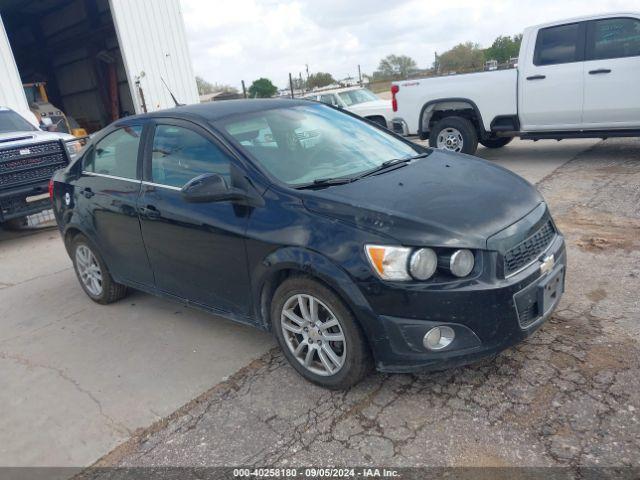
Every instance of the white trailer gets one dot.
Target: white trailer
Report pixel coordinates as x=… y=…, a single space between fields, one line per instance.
x=101 y=59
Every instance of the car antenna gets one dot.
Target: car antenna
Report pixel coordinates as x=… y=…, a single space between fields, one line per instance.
x=171 y=93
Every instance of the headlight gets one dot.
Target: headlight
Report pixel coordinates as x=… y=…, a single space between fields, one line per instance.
x=73 y=147
x=390 y=263
x=403 y=263
x=423 y=264
x=461 y=263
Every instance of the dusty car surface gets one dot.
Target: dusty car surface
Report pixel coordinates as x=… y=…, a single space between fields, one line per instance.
x=354 y=246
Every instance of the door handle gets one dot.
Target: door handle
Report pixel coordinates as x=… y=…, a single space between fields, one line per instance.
x=537 y=77
x=87 y=192
x=150 y=212
x=600 y=70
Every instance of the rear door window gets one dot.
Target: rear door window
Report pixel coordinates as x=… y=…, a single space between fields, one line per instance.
x=116 y=154
x=180 y=155
x=561 y=44
x=614 y=38
x=329 y=100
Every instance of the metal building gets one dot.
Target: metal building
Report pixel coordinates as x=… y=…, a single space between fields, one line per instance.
x=100 y=59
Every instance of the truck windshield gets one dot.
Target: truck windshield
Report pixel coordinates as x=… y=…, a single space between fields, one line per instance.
x=10 y=121
x=307 y=143
x=353 y=97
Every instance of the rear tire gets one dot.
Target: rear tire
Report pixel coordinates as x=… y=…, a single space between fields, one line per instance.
x=379 y=120
x=92 y=273
x=497 y=142
x=455 y=134
x=335 y=364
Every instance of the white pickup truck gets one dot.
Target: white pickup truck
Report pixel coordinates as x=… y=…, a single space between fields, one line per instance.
x=575 y=78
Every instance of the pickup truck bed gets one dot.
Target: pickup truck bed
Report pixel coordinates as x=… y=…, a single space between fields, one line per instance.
x=493 y=92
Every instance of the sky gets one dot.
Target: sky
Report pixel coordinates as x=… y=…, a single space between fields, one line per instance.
x=239 y=40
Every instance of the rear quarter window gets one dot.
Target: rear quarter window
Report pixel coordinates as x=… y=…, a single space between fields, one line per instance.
x=116 y=154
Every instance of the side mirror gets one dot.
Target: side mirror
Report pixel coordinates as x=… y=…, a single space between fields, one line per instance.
x=210 y=187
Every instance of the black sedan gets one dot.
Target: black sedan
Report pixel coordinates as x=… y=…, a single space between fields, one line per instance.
x=354 y=246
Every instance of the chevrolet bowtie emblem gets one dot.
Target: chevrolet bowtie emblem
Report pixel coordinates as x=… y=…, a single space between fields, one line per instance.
x=547 y=264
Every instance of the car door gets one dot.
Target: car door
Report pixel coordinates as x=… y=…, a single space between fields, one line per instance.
x=106 y=195
x=551 y=80
x=612 y=74
x=196 y=250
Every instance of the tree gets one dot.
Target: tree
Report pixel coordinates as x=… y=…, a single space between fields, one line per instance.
x=463 y=57
x=395 y=66
x=504 y=48
x=262 y=88
x=205 y=87
x=319 y=80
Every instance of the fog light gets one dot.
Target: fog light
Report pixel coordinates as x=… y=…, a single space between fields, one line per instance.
x=438 y=338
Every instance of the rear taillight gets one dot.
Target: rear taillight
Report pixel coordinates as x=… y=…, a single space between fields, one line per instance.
x=394 y=103
x=51 y=189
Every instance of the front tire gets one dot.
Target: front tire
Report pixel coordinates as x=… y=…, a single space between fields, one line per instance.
x=455 y=134
x=497 y=142
x=318 y=334
x=92 y=273
x=15 y=223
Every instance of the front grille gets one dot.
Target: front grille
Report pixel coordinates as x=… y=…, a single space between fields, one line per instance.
x=30 y=164
x=528 y=250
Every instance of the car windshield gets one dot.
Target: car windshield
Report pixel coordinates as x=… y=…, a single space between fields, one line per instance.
x=353 y=97
x=308 y=143
x=10 y=121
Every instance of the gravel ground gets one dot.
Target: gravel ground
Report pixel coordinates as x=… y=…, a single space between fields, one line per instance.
x=568 y=396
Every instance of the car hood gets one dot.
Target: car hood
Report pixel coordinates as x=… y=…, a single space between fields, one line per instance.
x=12 y=139
x=445 y=199
x=376 y=105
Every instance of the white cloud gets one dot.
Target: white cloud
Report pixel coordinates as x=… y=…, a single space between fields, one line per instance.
x=239 y=40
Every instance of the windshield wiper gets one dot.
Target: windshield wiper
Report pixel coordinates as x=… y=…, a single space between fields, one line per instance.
x=392 y=163
x=325 y=182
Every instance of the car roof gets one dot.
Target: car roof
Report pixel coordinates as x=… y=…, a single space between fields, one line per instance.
x=584 y=18
x=212 y=111
x=334 y=90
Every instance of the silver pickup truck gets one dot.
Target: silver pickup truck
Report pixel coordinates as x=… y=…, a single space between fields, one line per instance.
x=28 y=158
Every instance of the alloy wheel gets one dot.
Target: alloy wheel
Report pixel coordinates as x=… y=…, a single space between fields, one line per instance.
x=450 y=139
x=89 y=270
x=313 y=334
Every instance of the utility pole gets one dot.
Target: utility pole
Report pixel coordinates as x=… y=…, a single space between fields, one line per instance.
x=244 y=90
x=306 y=65
x=291 y=84
x=359 y=76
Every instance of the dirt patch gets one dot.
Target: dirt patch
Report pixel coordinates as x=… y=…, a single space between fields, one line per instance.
x=595 y=231
x=606 y=357
x=597 y=295
x=479 y=456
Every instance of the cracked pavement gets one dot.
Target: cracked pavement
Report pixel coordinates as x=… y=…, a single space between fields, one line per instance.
x=567 y=396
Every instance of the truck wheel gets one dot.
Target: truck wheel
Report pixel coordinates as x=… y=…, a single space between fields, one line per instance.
x=497 y=142
x=455 y=134
x=318 y=334
x=92 y=273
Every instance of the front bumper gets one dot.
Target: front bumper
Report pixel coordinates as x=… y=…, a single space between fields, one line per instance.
x=487 y=316
x=399 y=126
x=14 y=204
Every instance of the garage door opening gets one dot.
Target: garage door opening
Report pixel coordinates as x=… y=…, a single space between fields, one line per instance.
x=69 y=60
